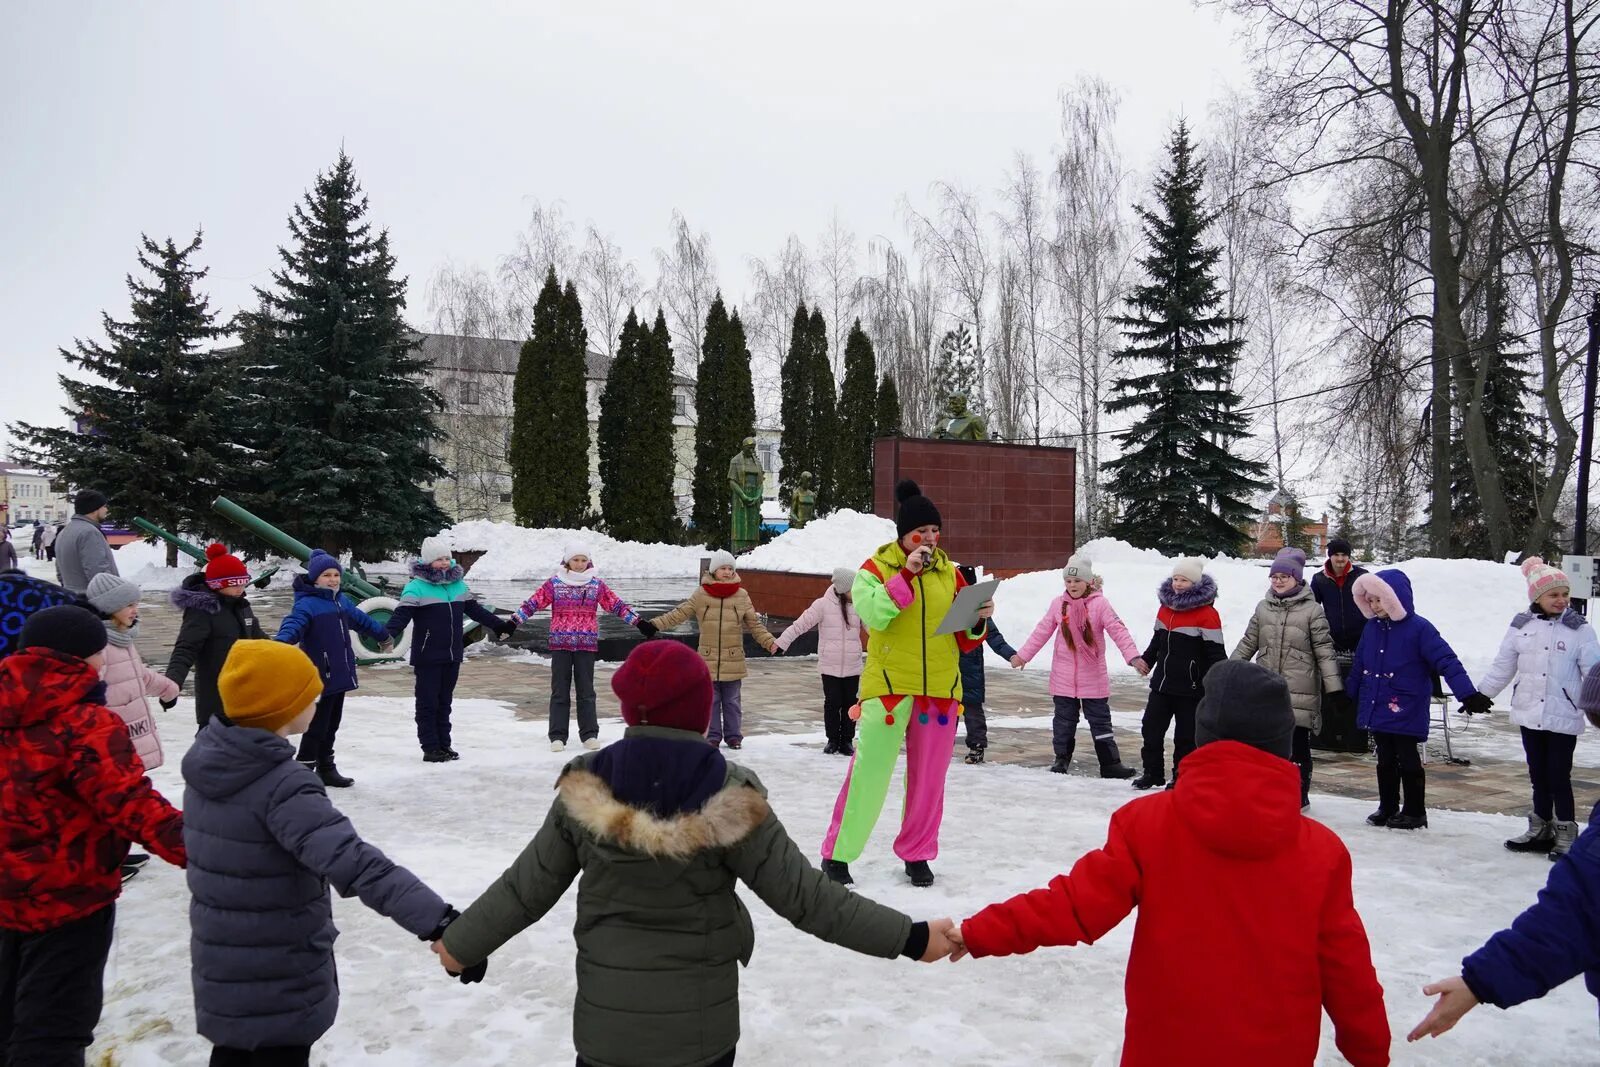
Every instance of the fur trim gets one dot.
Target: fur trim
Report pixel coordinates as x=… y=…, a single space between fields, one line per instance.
x=198 y=599
x=1370 y=590
x=424 y=573
x=1199 y=595
x=728 y=818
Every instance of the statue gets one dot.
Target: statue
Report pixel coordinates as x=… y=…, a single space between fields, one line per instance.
x=802 y=504
x=746 y=478
x=962 y=425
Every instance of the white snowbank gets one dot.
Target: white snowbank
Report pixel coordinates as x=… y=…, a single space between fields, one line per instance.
x=842 y=539
x=1426 y=899
x=515 y=553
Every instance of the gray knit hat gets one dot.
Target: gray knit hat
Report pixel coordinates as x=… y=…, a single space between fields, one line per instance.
x=843 y=579
x=720 y=558
x=109 y=593
x=1079 y=567
x=1245 y=702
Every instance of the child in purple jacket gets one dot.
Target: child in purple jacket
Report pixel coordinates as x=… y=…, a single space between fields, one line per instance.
x=575 y=595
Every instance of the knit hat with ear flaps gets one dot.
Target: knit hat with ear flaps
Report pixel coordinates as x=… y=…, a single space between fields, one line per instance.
x=664 y=683
x=1192 y=569
x=222 y=569
x=843 y=579
x=1543 y=578
x=1245 y=702
x=265 y=684
x=914 y=510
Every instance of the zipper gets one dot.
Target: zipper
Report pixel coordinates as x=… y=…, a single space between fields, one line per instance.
x=922 y=600
x=722 y=606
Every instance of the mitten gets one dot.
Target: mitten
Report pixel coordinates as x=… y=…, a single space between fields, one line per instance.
x=1477 y=704
x=508 y=628
x=648 y=628
x=474 y=973
x=168 y=705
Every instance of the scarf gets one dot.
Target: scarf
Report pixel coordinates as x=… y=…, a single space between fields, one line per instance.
x=1075 y=620
x=119 y=637
x=1300 y=583
x=426 y=573
x=571 y=577
x=721 y=590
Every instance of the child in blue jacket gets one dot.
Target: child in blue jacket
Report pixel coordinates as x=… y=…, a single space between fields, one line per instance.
x=1395 y=662
x=1554 y=941
x=438 y=600
x=974 y=684
x=321 y=623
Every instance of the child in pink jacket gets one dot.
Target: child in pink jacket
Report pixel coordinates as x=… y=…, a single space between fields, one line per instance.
x=1081 y=619
x=839 y=660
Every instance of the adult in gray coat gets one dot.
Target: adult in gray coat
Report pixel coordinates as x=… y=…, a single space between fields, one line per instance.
x=82 y=551
x=264 y=844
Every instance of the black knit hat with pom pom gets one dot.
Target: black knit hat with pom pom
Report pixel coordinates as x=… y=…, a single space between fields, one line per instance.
x=915 y=510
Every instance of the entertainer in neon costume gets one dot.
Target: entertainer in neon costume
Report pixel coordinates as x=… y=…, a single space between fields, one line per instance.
x=910 y=690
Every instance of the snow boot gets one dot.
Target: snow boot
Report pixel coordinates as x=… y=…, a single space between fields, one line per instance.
x=557 y=746
x=452 y=753
x=435 y=755
x=1380 y=818
x=974 y=756
x=136 y=859
x=919 y=873
x=1566 y=833
x=1540 y=836
x=736 y=745
x=1148 y=780
x=328 y=771
x=1407 y=821
x=832 y=749
x=846 y=748
x=1062 y=765
x=128 y=871
x=1111 y=760
x=838 y=871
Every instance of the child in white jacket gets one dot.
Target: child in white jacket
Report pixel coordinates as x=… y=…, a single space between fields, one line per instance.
x=839 y=658
x=1547 y=651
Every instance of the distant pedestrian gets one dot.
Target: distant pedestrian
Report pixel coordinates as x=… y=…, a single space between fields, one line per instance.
x=38 y=539
x=48 y=540
x=8 y=551
x=82 y=550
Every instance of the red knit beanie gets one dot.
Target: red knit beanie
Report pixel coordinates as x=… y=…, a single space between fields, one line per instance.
x=223 y=570
x=664 y=683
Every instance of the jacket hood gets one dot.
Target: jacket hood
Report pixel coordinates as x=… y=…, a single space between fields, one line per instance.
x=224 y=759
x=424 y=573
x=1390 y=588
x=727 y=818
x=664 y=771
x=1240 y=802
x=193 y=593
x=1199 y=595
x=37 y=684
x=305 y=586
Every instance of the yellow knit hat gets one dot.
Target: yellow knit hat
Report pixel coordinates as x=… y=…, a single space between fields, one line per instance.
x=265 y=684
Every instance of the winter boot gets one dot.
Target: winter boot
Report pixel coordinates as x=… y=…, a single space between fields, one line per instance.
x=1148 y=780
x=838 y=871
x=328 y=771
x=1111 y=760
x=1380 y=818
x=846 y=748
x=919 y=873
x=1540 y=836
x=1566 y=833
x=452 y=753
x=832 y=749
x=1062 y=765
x=557 y=746
x=136 y=859
x=974 y=756
x=1413 y=812
x=435 y=755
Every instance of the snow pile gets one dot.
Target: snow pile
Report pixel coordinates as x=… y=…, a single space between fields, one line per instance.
x=1426 y=900
x=1470 y=601
x=515 y=553
x=842 y=539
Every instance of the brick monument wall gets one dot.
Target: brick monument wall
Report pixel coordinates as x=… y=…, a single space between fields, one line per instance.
x=1008 y=507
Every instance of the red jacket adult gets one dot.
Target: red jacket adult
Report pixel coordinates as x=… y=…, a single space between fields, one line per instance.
x=72 y=794
x=1246 y=927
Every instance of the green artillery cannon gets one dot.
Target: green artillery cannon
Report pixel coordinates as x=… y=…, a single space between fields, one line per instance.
x=374 y=601
x=194 y=551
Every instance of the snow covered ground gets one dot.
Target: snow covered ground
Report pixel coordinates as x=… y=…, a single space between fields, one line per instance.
x=1427 y=899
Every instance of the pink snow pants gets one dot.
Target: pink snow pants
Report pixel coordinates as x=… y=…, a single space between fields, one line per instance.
x=928 y=727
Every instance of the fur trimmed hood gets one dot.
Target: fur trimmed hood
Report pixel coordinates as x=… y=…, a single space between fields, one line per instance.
x=194 y=594
x=422 y=572
x=1199 y=595
x=727 y=818
x=1390 y=588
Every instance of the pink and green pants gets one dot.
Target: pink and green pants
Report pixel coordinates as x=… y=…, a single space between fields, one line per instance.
x=927 y=726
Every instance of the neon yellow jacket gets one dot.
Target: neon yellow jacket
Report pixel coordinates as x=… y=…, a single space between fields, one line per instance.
x=901 y=612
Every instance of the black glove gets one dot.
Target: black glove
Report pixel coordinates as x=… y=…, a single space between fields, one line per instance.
x=474 y=973
x=450 y=916
x=168 y=705
x=648 y=628
x=1477 y=704
x=508 y=628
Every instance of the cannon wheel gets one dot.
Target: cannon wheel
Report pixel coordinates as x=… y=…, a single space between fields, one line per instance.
x=380 y=608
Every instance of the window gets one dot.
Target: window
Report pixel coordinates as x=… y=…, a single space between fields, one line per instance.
x=468 y=391
x=505 y=498
x=680 y=404
x=767 y=452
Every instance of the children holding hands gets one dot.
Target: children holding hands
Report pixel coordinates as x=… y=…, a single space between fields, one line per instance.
x=839 y=656
x=1186 y=644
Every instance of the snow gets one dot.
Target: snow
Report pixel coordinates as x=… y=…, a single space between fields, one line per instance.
x=1427 y=899
x=842 y=539
x=515 y=553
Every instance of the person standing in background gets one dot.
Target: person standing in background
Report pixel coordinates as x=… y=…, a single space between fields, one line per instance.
x=81 y=549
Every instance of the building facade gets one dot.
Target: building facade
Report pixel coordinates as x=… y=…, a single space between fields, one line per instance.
x=28 y=497
x=1271 y=529
x=476 y=375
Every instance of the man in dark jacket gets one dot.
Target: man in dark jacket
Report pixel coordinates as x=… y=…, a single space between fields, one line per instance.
x=1334 y=588
x=215 y=615
x=72 y=795
x=262 y=946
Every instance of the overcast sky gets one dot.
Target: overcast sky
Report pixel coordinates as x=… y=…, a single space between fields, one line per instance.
x=129 y=117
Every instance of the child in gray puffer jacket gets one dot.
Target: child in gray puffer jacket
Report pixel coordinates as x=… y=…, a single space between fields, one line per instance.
x=265 y=843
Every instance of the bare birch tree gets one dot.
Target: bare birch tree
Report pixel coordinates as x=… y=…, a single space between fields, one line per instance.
x=955 y=238
x=686 y=283
x=545 y=242
x=609 y=286
x=1024 y=223
x=838 y=286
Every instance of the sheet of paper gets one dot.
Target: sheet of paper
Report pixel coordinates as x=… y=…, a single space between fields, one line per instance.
x=963 y=614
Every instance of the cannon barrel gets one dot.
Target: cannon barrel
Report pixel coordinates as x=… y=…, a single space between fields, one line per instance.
x=192 y=551
x=284 y=543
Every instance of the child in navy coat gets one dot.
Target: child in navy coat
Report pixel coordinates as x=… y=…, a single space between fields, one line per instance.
x=321 y=623
x=1393 y=679
x=974 y=684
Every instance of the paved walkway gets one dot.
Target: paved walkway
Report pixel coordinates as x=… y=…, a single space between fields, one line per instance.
x=784 y=696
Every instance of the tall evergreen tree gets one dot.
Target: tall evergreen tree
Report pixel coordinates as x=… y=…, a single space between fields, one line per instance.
x=1296 y=527
x=1183 y=491
x=654 y=462
x=858 y=403
x=711 y=514
x=796 y=449
x=333 y=397
x=154 y=440
x=618 y=414
x=1344 y=517
x=889 y=418
x=569 y=502
x=955 y=369
x=824 y=430
x=532 y=472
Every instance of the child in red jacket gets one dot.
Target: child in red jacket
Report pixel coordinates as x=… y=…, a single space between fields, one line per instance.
x=1246 y=929
x=72 y=795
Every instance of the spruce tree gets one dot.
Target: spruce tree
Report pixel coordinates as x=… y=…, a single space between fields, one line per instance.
x=857 y=423
x=1296 y=527
x=567 y=454
x=1182 y=489
x=824 y=429
x=795 y=448
x=711 y=513
x=157 y=440
x=333 y=397
x=1344 y=517
x=531 y=469
x=955 y=369
x=889 y=420
x=618 y=413
x=654 y=455
x=741 y=392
